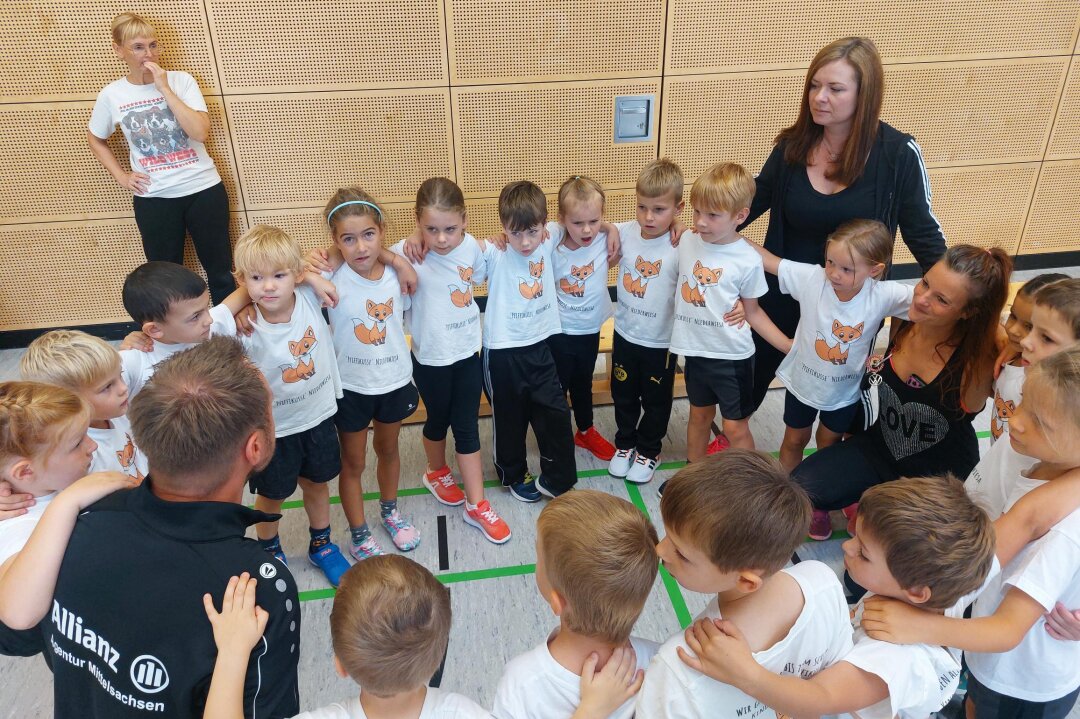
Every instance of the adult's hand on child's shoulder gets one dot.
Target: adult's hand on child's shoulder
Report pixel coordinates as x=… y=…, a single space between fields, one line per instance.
x=13 y=504
x=240 y=623
x=604 y=691
x=94 y=486
x=137 y=340
x=1063 y=623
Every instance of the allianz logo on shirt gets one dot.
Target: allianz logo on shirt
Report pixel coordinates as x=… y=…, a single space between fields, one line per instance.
x=148 y=674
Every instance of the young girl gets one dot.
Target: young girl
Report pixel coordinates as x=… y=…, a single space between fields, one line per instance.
x=1010 y=372
x=580 y=262
x=841 y=306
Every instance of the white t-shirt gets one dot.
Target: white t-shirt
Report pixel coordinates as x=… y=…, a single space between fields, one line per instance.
x=998 y=480
x=535 y=686
x=297 y=358
x=15 y=532
x=177 y=165
x=711 y=279
x=438 y=704
x=521 y=308
x=834 y=338
x=820 y=637
x=138 y=366
x=1040 y=668
x=369 y=332
x=645 y=292
x=444 y=321
x=581 y=283
x=116 y=450
x=1008 y=390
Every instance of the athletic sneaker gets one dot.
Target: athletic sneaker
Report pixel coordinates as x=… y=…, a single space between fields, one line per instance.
x=367 y=549
x=490 y=524
x=820 y=525
x=280 y=556
x=547 y=491
x=852 y=513
x=404 y=534
x=642 y=470
x=660 y=489
x=719 y=444
x=621 y=462
x=593 y=441
x=525 y=491
x=441 y=483
x=329 y=559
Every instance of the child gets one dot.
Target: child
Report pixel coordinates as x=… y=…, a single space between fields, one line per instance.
x=643 y=367
x=715 y=271
x=1010 y=371
x=1055 y=321
x=520 y=378
x=90 y=367
x=580 y=266
x=293 y=348
x=732 y=522
x=389 y=627
x=595 y=565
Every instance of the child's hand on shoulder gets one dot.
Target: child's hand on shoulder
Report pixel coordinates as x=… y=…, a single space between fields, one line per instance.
x=94 y=486
x=678 y=227
x=13 y=504
x=407 y=278
x=720 y=651
x=319 y=260
x=499 y=240
x=245 y=320
x=737 y=315
x=323 y=288
x=894 y=621
x=614 y=246
x=604 y=691
x=414 y=248
x=240 y=623
x=1063 y=623
x=137 y=340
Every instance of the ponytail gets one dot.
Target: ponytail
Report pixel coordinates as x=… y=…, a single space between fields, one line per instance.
x=33 y=416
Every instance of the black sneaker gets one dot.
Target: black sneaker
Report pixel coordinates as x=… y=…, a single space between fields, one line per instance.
x=542 y=485
x=660 y=489
x=525 y=491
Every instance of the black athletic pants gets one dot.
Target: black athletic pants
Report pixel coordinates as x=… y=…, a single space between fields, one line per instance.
x=451 y=395
x=642 y=379
x=163 y=222
x=523 y=388
x=575 y=360
x=784 y=312
x=837 y=475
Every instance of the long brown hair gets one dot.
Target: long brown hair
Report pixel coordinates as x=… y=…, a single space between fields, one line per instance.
x=801 y=138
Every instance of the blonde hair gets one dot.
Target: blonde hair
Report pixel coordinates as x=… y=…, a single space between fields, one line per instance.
x=390 y=624
x=34 y=417
x=1056 y=380
x=69 y=358
x=600 y=554
x=439 y=193
x=724 y=187
x=869 y=239
x=660 y=177
x=352 y=202
x=265 y=249
x=579 y=189
x=127 y=26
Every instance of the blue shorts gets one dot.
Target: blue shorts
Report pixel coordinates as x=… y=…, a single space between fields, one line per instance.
x=800 y=416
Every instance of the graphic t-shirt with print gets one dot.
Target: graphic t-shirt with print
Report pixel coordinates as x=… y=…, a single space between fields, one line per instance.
x=1008 y=391
x=645 y=288
x=116 y=450
x=581 y=283
x=521 y=306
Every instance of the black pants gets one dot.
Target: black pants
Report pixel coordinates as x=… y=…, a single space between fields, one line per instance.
x=575 y=360
x=837 y=475
x=523 y=388
x=451 y=397
x=784 y=312
x=642 y=379
x=163 y=221
x=991 y=705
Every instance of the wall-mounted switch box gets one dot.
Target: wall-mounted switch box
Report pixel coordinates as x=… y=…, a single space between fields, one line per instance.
x=634 y=118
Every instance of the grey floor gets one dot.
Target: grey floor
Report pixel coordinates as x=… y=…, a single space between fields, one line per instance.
x=497 y=611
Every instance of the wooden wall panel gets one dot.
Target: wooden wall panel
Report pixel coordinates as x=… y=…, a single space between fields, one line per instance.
x=1055 y=213
x=1065 y=140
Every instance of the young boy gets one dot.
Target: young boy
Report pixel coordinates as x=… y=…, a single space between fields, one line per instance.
x=90 y=367
x=716 y=270
x=595 y=565
x=520 y=379
x=293 y=347
x=732 y=522
x=389 y=627
x=643 y=367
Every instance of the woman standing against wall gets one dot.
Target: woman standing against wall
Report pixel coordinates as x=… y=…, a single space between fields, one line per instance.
x=175 y=184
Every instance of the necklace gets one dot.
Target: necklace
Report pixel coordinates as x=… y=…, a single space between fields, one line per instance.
x=833 y=155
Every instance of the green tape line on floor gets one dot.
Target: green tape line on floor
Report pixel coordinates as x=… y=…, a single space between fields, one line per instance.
x=675 y=596
x=448 y=578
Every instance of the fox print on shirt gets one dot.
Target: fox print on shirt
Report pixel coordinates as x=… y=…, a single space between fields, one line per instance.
x=644 y=271
x=1003 y=412
x=574 y=284
x=126 y=457
x=844 y=336
x=532 y=286
x=378 y=312
x=304 y=368
x=704 y=278
x=461 y=295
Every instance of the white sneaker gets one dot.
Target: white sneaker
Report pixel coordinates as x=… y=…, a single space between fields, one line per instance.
x=642 y=471
x=621 y=462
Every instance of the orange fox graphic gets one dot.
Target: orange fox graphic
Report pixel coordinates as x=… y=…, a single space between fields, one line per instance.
x=126 y=456
x=532 y=286
x=577 y=289
x=305 y=364
x=844 y=335
x=462 y=296
x=704 y=278
x=645 y=271
x=376 y=334
x=1003 y=412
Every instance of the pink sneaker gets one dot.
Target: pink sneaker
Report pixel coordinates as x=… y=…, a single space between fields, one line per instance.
x=820 y=526
x=401 y=530
x=852 y=513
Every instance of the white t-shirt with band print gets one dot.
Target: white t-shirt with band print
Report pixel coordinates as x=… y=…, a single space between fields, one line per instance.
x=521 y=307
x=116 y=450
x=443 y=319
x=712 y=278
x=828 y=355
x=369 y=333
x=580 y=283
x=645 y=288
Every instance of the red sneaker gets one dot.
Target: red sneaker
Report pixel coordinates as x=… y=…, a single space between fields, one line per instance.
x=490 y=524
x=820 y=526
x=718 y=444
x=591 y=440
x=852 y=513
x=441 y=483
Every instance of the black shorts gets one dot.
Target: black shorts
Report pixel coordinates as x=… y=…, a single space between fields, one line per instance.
x=988 y=703
x=799 y=416
x=355 y=411
x=313 y=454
x=729 y=384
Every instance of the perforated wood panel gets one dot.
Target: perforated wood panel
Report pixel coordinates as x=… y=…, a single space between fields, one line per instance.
x=307 y=227
x=328 y=44
x=1055 y=214
x=1065 y=140
x=495 y=41
x=706 y=36
x=544 y=132
x=62 y=50
x=294 y=150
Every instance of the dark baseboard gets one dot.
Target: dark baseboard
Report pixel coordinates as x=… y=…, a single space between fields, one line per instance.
x=14 y=339
x=1047 y=260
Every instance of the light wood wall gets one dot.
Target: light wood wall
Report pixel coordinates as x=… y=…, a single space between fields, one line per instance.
x=308 y=96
